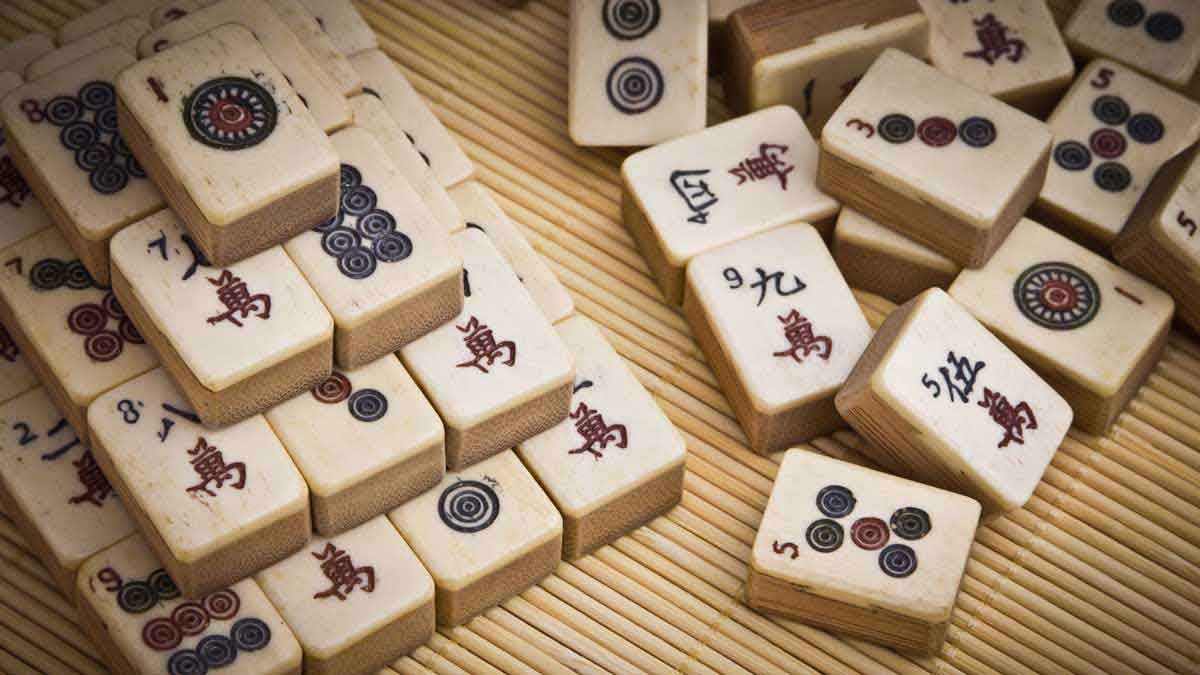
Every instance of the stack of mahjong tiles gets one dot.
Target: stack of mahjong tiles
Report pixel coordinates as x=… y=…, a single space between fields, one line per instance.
x=267 y=305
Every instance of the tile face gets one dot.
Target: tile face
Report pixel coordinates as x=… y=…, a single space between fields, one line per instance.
x=16 y=377
x=123 y=34
x=104 y=16
x=497 y=373
x=866 y=541
x=637 y=72
x=344 y=25
x=880 y=260
x=337 y=594
x=365 y=440
x=485 y=534
x=481 y=212
x=777 y=320
x=74 y=331
x=733 y=180
x=1090 y=328
x=1112 y=133
x=383 y=266
x=383 y=79
x=218 y=504
x=142 y=623
x=18 y=54
x=319 y=44
x=62 y=134
x=54 y=489
x=1158 y=37
x=951 y=405
x=615 y=448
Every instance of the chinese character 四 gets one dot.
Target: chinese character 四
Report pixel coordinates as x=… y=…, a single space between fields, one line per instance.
x=696 y=194
x=595 y=431
x=798 y=331
x=339 y=569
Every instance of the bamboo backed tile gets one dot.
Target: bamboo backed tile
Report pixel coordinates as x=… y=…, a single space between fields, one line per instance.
x=879 y=260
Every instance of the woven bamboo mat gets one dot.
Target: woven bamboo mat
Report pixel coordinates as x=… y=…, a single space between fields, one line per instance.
x=1100 y=573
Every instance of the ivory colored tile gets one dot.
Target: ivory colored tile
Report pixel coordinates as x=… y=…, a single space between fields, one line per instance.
x=124 y=34
x=485 y=534
x=719 y=10
x=480 y=211
x=236 y=339
x=175 y=9
x=1089 y=328
x=637 y=72
x=879 y=260
x=617 y=462
x=365 y=440
x=945 y=402
x=894 y=582
x=383 y=266
x=498 y=373
x=1011 y=50
x=1112 y=131
x=104 y=16
x=933 y=158
x=136 y=615
x=383 y=80
x=262 y=174
x=16 y=377
x=73 y=332
x=781 y=329
x=21 y=215
x=1157 y=37
x=370 y=114
x=319 y=44
x=19 y=53
x=217 y=505
x=809 y=55
x=344 y=25
x=62 y=136
x=52 y=488
x=356 y=602
x=739 y=178
x=316 y=90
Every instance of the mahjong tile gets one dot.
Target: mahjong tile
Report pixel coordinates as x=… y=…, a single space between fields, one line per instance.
x=383 y=79
x=637 y=71
x=365 y=440
x=123 y=34
x=809 y=55
x=880 y=260
x=486 y=533
x=236 y=339
x=370 y=114
x=20 y=212
x=217 y=505
x=860 y=552
x=16 y=377
x=18 y=54
x=62 y=136
x=344 y=25
x=497 y=373
x=315 y=89
x=617 y=461
x=1158 y=37
x=319 y=44
x=175 y=9
x=1089 y=328
x=736 y=179
x=356 y=602
x=51 y=486
x=933 y=158
x=244 y=165
x=945 y=402
x=103 y=16
x=71 y=330
x=1112 y=132
x=781 y=329
x=1011 y=50
x=142 y=623
x=480 y=211
x=382 y=266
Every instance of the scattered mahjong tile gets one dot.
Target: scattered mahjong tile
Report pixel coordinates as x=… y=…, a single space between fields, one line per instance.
x=703 y=191
x=1089 y=328
x=365 y=440
x=480 y=211
x=19 y=53
x=245 y=165
x=217 y=505
x=880 y=260
x=236 y=339
x=497 y=373
x=344 y=25
x=617 y=461
x=383 y=266
x=62 y=136
x=781 y=329
x=932 y=158
x=51 y=486
x=319 y=44
x=356 y=602
x=103 y=16
x=124 y=35
x=502 y=531
x=1157 y=37
x=21 y=215
x=860 y=552
x=142 y=623
x=16 y=377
